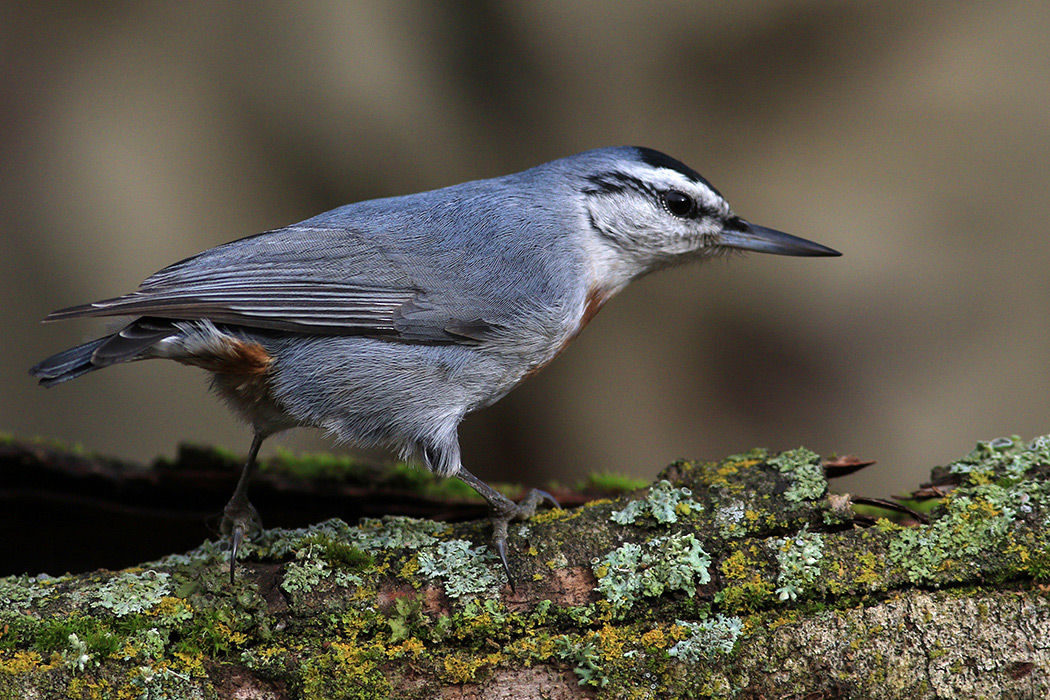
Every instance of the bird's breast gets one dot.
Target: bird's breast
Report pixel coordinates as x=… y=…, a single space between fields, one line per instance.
x=596 y=298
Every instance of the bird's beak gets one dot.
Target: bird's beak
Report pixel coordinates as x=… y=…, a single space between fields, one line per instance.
x=747 y=236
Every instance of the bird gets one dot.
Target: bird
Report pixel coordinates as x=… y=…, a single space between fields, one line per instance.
x=385 y=322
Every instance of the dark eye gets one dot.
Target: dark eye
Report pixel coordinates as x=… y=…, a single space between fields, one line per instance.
x=678 y=204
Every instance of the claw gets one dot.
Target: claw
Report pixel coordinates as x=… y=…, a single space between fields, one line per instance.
x=503 y=511
x=501 y=550
x=544 y=496
x=238 y=523
x=236 y=537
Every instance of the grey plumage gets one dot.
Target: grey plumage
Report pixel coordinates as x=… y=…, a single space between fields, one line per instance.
x=385 y=322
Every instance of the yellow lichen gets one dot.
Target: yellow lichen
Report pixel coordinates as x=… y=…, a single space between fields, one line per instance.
x=460 y=669
x=655 y=638
x=192 y=664
x=170 y=607
x=410 y=647
x=611 y=641
x=735 y=566
x=20 y=662
x=410 y=569
x=555 y=515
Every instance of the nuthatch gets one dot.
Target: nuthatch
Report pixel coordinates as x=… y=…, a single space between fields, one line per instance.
x=385 y=322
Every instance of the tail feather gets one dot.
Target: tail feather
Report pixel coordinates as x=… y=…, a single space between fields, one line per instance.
x=131 y=343
x=68 y=364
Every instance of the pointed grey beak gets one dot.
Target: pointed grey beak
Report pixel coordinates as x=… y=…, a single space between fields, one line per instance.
x=747 y=236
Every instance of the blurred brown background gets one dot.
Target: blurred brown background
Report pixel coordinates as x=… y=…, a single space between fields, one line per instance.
x=913 y=137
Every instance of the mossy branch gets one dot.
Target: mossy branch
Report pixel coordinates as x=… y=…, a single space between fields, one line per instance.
x=741 y=578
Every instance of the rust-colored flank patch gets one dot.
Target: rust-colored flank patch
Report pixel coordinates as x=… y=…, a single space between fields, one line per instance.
x=239 y=358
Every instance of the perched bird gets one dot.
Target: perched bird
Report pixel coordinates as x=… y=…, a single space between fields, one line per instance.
x=386 y=321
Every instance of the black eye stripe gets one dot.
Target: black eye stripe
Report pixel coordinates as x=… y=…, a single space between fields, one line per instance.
x=615 y=182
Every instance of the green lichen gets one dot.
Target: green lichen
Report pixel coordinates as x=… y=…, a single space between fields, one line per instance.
x=381 y=638
x=164 y=684
x=396 y=532
x=465 y=571
x=799 y=560
x=1009 y=457
x=586 y=660
x=129 y=593
x=664 y=504
x=971 y=523
x=707 y=639
x=24 y=591
x=146 y=644
x=802 y=468
x=305 y=572
x=672 y=563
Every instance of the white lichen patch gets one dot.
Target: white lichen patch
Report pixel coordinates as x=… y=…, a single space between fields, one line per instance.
x=465 y=571
x=730 y=520
x=802 y=468
x=1007 y=456
x=19 y=592
x=707 y=639
x=664 y=504
x=672 y=563
x=128 y=593
x=799 y=560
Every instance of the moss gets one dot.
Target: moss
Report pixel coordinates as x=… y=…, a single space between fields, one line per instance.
x=339 y=554
x=610 y=484
x=745 y=598
x=319 y=465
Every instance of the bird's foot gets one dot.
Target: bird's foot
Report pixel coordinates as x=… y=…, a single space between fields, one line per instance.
x=504 y=511
x=239 y=521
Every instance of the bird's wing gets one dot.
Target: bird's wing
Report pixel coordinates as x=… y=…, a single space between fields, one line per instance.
x=303 y=279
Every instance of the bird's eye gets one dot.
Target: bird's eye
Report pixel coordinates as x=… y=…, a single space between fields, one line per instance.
x=678 y=204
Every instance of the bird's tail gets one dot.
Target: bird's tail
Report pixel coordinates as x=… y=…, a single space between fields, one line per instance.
x=131 y=343
x=68 y=364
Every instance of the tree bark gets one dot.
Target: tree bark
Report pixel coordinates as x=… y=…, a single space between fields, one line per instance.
x=743 y=578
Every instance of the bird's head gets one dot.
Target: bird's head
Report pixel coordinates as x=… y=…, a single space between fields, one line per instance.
x=645 y=210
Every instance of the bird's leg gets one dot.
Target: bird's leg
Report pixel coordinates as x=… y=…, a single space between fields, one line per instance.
x=239 y=517
x=503 y=511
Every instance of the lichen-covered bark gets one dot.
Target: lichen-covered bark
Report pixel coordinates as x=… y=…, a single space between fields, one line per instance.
x=742 y=578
